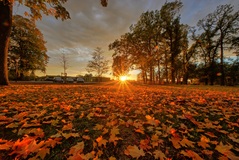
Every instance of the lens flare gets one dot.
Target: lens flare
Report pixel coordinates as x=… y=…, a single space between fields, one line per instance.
x=123 y=78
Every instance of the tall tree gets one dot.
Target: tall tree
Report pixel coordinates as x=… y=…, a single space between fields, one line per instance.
x=227 y=23
x=219 y=31
x=173 y=31
x=209 y=47
x=98 y=64
x=64 y=62
x=144 y=31
x=36 y=7
x=27 y=52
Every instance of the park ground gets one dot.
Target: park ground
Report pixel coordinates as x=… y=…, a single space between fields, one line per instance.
x=118 y=121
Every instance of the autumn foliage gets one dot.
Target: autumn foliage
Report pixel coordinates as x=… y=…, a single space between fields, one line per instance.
x=112 y=122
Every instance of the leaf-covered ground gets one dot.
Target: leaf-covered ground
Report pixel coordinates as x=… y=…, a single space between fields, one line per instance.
x=118 y=122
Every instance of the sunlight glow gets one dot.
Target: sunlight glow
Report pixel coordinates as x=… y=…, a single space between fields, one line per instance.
x=123 y=78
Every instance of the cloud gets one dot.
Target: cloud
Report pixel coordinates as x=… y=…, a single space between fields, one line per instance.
x=92 y=25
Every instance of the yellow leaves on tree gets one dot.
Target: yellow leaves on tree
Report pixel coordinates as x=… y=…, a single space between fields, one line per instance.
x=134 y=151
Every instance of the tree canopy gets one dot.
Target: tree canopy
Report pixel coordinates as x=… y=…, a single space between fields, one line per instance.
x=37 y=8
x=165 y=50
x=98 y=64
x=27 y=52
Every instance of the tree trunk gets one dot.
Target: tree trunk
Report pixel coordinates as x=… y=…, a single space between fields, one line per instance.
x=221 y=64
x=159 y=76
x=151 y=74
x=5 y=30
x=173 y=70
x=185 y=77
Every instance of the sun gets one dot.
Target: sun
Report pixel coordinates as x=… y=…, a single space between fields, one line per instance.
x=123 y=78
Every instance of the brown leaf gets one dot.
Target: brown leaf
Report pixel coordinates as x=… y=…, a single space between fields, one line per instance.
x=114 y=131
x=76 y=149
x=185 y=142
x=68 y=135
x=101 y=141
x=144 y=144
x=139 y=131
x=225 y=150
x=134 y=152
x=67 y=127
x=43 y=152
x=159 y=155
x=114 y=139
x=175 y=141
x=5 y=144
x=98 y=127
x=112 y=158
x=86 y=137
x=191 y=154
x=204 y=142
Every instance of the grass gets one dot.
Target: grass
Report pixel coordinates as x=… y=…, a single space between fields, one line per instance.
x=118 y=121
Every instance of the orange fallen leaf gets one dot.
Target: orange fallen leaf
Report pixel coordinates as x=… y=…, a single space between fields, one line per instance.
x=101 y=141
x=86 y=137
x=134 y=152
x=204 y=142
x=225 y=150
x=159 y=155
x=191 y=154
x=76 y=149
x=5 y=144
x=185 y=142
x=175 y=141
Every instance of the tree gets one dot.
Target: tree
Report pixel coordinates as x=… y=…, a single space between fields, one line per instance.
x=27 y=51
x=174 y=32
x=147 y=32
x=227 y=24
x=65 y=64
x=120 y=66
x=220 y=29
x=98 y=64
x=157 y=38
x=209 y=47
x=36 y=7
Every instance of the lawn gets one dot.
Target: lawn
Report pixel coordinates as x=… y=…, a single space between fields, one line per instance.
x=118 y=121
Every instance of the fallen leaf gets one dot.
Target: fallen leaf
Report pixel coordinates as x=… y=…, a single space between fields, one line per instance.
x=101 y=141
x=134 y=152
x=176 y=142
x=76 y=149
x=191 y=154
x=98 y=127
x=159 y=155
x=225 y=150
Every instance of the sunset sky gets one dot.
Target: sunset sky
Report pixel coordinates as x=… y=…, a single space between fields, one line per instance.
x=92 y=25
